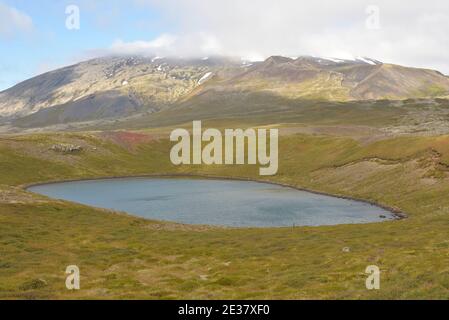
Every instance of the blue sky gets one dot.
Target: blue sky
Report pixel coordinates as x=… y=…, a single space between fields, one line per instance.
x=49 y=44
x=34 y=38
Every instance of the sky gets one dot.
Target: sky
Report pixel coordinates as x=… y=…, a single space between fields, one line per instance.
x=39 y=36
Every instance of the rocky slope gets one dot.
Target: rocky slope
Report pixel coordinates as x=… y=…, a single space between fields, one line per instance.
x=339 y=80
x=143 y=82
x=118 y=87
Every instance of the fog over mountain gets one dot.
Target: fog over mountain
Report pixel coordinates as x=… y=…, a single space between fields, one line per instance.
x=411 y=34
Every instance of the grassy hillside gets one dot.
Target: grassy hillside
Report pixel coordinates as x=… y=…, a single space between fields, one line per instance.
x=246 y=108
x=127 y=257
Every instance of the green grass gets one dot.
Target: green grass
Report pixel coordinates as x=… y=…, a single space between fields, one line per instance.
x=267 y=108
x=122 y=256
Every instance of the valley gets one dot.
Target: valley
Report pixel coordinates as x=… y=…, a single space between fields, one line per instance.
x=122 y=256
x=347 y=128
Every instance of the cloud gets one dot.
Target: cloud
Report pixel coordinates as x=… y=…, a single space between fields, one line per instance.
x=162 y=43
x=412 y=33
x=196 y=44
x=13 y=21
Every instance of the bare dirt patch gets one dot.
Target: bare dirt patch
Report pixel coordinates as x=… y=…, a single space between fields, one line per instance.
x=15 y=195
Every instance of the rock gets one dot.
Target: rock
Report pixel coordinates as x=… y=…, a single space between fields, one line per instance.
x=66 y=148
x=33 y=284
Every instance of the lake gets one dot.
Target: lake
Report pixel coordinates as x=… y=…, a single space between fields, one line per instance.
x=215 y=202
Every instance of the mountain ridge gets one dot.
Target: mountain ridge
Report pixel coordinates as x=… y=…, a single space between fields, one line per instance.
x=121 y=86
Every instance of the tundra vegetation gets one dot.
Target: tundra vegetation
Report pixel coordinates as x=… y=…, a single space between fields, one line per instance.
x=121 y=256
x=356 y=128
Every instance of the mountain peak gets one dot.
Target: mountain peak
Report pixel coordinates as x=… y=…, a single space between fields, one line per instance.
x=278 y=59
x=114 y=87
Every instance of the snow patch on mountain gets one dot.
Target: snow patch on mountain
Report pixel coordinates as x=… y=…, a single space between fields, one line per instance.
x=205 y=78
x=156 y=58
x=367 y=60
x=334 y=60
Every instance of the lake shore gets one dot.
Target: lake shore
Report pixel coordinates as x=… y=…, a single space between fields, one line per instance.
x=396 y=213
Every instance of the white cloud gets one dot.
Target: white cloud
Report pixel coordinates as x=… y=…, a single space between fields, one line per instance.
x=186 y=45
x=411 y=33
x=13 y=21
x=160 y=44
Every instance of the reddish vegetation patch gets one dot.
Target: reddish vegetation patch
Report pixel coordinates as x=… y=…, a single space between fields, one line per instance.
x=128 y=140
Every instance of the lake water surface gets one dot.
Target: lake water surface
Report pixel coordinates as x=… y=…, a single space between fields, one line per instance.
x=215 y=202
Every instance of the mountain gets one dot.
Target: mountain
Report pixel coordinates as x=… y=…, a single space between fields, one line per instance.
x=120 y=87
x=149 y=82
x=340 y=80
